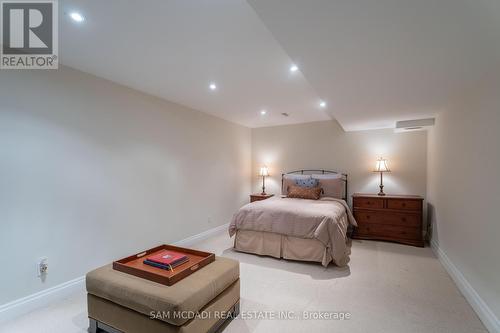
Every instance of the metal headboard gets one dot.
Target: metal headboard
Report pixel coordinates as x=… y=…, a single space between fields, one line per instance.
x=316 y=171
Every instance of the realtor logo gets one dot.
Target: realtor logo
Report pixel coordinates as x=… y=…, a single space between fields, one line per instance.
x=29 y=35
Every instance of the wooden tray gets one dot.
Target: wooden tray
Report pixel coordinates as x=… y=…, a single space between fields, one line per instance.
x=134 y=265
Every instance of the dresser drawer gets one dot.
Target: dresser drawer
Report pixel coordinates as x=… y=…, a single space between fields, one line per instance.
x=389 y=231
x=368 y=203
x=404 y=204
x=405 y=220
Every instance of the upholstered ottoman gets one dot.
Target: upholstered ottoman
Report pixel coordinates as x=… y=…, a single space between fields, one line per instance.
x=205 y=301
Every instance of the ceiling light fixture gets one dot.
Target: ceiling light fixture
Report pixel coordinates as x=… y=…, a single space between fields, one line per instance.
x=322 y=104
x=294 y=68
x=77 y=17
x=263 y=112
x=212 y=86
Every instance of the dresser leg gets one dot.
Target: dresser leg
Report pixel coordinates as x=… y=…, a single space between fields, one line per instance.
x=92 y=326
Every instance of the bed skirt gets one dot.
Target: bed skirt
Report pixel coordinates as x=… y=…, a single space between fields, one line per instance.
x=281 y=246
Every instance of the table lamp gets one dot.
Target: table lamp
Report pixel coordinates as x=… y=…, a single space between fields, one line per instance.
x=264 y=172
x=381 y=167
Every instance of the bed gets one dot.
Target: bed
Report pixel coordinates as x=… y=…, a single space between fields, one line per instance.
x=298 y=229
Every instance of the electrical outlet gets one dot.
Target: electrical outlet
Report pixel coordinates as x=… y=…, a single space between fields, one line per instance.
x=42 y=267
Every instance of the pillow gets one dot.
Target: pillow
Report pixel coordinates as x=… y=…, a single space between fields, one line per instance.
x=313 y=193
x=327 y=176
x=307 y=182
x=289 y=180
x=332 y=187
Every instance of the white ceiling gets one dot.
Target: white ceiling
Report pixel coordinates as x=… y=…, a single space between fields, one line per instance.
x=380 y=61
x=174 y=49
x=374 y=62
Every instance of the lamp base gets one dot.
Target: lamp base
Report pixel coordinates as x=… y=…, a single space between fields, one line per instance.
x=381 y=193
x=263 y=186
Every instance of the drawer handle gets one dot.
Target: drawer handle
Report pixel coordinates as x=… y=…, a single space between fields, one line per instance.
x=403 y=204
x=195 y=267
x=368 y=202
x=403 y=219
x=367 y=217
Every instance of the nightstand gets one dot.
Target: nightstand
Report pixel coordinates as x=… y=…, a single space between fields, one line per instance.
x=258 y=197
x=396 y=218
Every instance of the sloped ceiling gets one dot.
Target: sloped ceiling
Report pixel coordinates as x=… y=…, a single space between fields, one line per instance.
x=174 y=48
x=373 y=62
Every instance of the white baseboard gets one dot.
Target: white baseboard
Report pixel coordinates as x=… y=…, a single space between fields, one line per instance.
x=483 y=311
x=43 y=298
x=40 y=299
x=201 y=236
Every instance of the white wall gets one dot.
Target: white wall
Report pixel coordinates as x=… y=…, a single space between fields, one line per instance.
x=464 y=189
x=91 y=171
x=325 y=145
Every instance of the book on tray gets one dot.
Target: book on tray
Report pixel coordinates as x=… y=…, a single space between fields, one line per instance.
x=166 y=259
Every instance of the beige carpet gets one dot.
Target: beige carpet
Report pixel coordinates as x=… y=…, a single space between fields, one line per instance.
x=386 y=288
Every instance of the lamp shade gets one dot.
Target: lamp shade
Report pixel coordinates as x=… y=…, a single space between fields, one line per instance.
x=381 y=166
x=264 y=171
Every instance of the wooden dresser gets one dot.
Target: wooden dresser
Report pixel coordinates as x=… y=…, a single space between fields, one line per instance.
x=258 y=197
x=396 y=218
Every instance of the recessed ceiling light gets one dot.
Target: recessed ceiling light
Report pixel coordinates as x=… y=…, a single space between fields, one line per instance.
x=294 y=68
x=322 y=104
x=212 y=86
x=263 y=112
x=77 y=17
